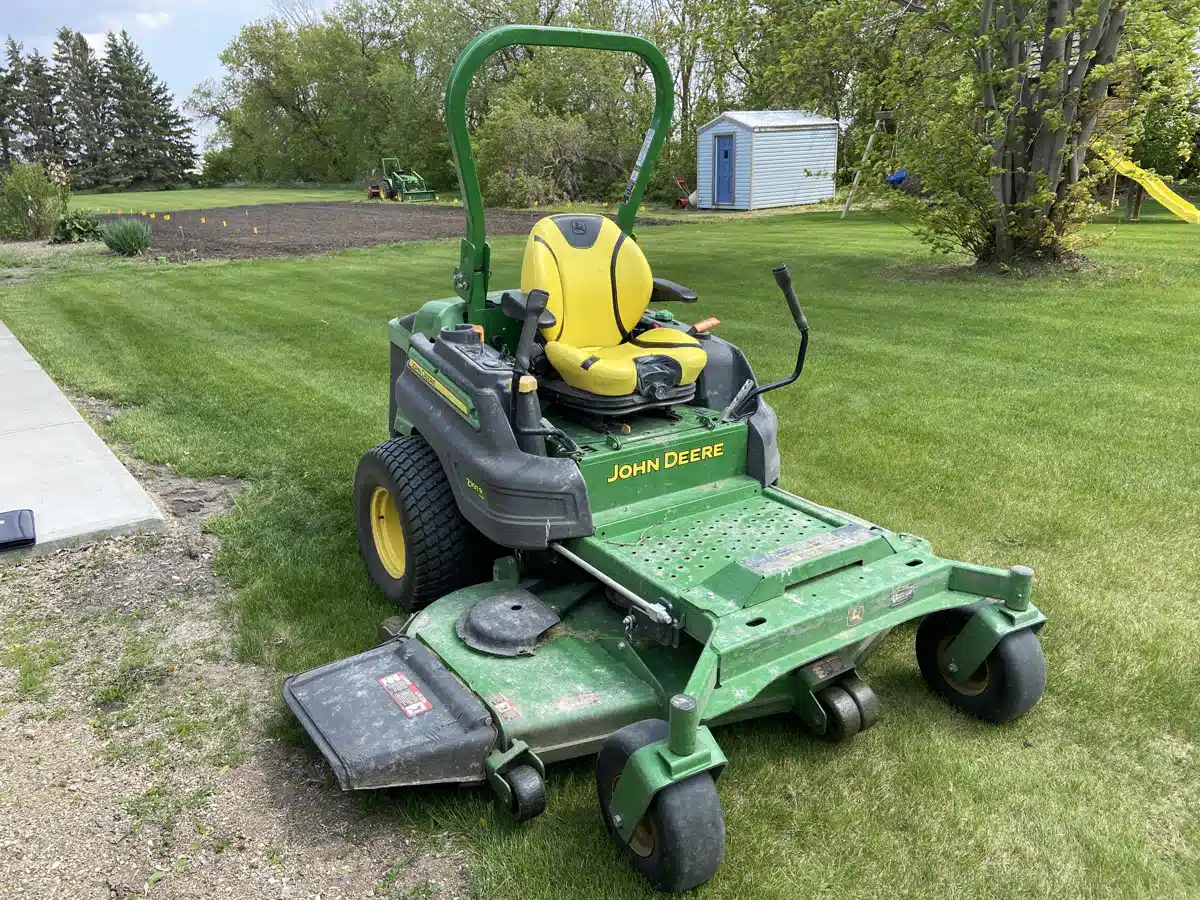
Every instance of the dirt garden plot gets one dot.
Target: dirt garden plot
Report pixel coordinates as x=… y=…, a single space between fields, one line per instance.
x=295 y=229
x=137 y=756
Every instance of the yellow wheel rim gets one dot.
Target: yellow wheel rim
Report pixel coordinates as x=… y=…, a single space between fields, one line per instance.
x=387 y=532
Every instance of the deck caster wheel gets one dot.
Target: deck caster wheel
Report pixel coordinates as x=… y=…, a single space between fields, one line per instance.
x=528 y=798
x=864 y=698
x=842 y=718
x=1007 y=684
x=680 y=841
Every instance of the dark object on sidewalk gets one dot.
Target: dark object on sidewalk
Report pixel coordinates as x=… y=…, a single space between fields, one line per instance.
x=16 y=529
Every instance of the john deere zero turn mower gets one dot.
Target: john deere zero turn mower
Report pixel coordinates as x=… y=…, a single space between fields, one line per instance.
x=578 y=517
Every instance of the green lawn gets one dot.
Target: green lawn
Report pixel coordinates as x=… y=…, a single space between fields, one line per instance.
x=1050 y=422
x=207 y=198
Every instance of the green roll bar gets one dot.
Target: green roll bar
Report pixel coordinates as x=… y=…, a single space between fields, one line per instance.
x=471 y=276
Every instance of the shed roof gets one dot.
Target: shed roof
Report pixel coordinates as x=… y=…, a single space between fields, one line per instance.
x=763 y=119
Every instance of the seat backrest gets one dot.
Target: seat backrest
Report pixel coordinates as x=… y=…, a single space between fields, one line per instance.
x=597 y=278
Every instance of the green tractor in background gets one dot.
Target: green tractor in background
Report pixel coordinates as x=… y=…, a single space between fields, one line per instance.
x=397 y=184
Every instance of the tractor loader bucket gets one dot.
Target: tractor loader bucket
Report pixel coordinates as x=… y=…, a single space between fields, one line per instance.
x=393 y=716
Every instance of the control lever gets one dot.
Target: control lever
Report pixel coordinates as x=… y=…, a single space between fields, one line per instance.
x=525 y=412
x=531 y=320
x=783 y=278
x=745 y=396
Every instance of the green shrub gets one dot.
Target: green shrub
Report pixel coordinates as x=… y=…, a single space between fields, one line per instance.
x=528 y=158
x=128 y=237
x=219 y=168
x=75 y=228
x=32 y=199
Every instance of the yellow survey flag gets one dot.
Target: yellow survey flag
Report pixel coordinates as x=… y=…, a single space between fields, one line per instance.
x=167 y=217
x=224 y=224
x=256 y=229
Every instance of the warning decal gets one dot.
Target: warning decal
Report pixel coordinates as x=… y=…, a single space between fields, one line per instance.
x=827 y=667
x=582 y=701
x=783 y=558
x=505 y=708
x=406 y=694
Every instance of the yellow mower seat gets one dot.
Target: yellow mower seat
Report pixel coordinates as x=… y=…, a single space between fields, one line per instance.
x=599 y=285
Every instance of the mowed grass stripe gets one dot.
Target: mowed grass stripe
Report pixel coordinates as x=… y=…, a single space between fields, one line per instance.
x=134 y=202
x=1046 y=421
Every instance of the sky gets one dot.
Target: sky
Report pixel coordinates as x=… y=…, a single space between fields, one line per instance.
x=180 y=38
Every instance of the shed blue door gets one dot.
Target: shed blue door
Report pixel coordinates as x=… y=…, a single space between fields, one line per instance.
x=724 y=152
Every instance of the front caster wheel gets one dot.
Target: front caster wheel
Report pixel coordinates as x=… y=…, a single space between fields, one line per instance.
x=680 y=841
x=528 y=798
x=864 y=698
x=843 y=720
x=1007 y=684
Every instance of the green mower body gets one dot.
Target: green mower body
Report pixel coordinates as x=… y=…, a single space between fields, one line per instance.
x=618 y=579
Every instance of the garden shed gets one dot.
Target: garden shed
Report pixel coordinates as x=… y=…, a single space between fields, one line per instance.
x=764 y=158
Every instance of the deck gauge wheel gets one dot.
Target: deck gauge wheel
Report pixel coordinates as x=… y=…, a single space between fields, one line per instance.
x=528 y=798
x=680 y=841
x=1004 y=687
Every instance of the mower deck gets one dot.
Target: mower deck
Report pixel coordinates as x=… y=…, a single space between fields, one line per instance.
x=780 y=597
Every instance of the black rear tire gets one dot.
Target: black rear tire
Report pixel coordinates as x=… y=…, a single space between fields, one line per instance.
x=680 y=842
x=416 y=544
x=1006 y=686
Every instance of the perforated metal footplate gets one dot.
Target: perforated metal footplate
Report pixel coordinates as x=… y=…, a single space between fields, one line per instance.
x=682 y=551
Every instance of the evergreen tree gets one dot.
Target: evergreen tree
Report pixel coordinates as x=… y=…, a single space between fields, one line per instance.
x=83 y=109
x=151 y=141
x=10 y=87
x=37 y=115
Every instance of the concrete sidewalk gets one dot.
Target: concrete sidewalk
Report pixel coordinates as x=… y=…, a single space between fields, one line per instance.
x=51 y=461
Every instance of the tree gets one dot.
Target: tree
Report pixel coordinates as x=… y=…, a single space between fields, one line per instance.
x=10 y=94
x=997 y=102
x=83 y=109
x=151 y=141
x=526 y=158
x=1168 y=134
x=37 y=113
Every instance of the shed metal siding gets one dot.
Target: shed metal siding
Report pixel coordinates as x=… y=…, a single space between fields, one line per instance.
x=706 y=171
x=794 y=166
